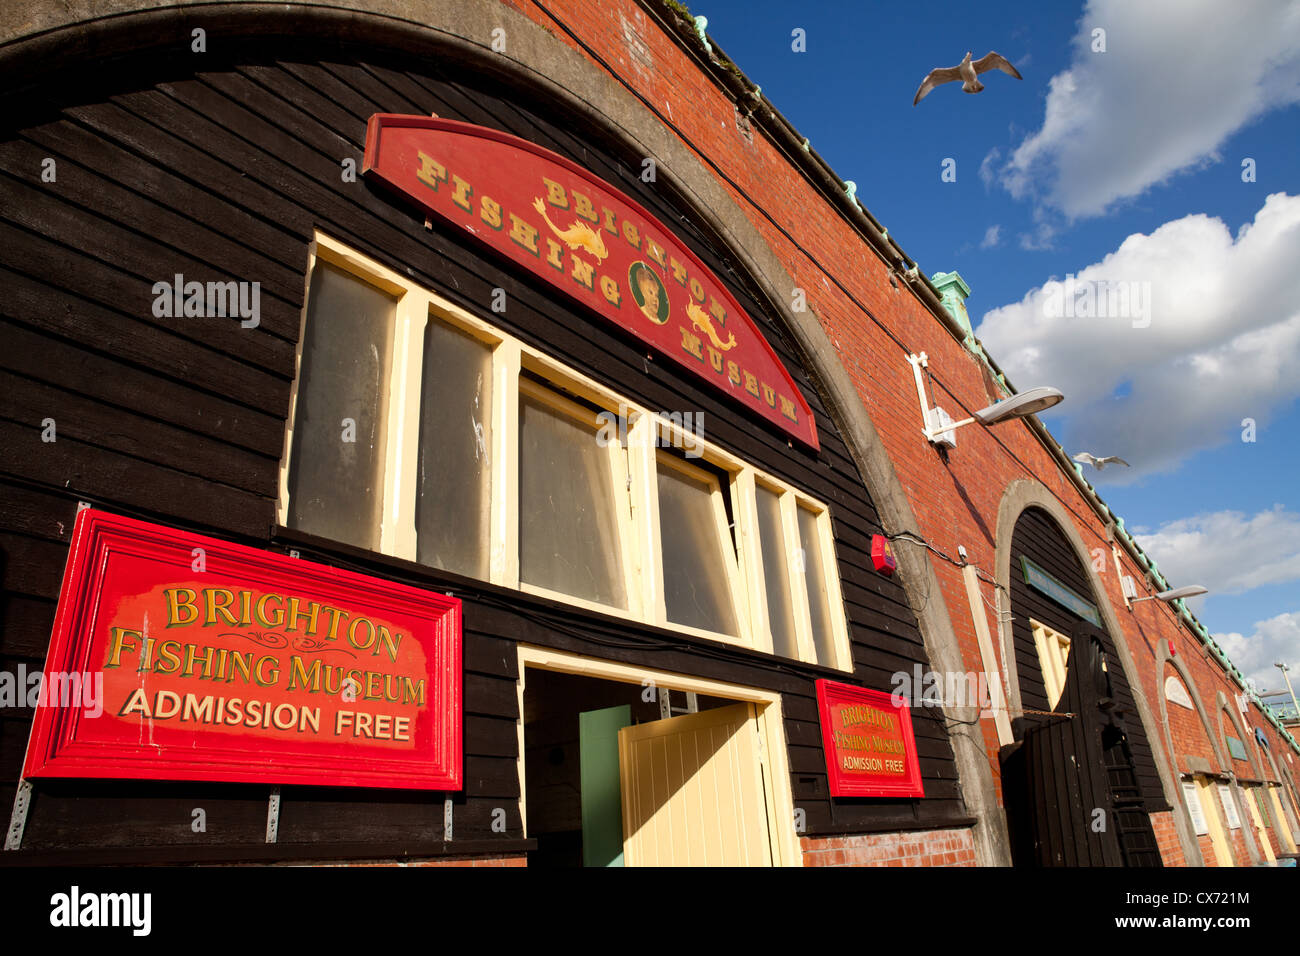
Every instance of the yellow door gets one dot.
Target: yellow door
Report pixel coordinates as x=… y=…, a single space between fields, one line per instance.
x=1217 y=837
x=1252 y=802
x=1283 y=828
x=692 y=789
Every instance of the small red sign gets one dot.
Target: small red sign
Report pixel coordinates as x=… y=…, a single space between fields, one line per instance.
x=594 y=244
x=197 y=659
x=870 y=748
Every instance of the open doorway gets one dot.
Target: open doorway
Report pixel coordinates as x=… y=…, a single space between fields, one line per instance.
x=619 y=767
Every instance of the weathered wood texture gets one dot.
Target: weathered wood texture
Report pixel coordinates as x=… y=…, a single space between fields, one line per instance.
x=222 y=174
x=1038 y=538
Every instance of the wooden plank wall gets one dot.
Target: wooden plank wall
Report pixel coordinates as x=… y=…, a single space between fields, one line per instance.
x=1038 y=538
x=222 y=174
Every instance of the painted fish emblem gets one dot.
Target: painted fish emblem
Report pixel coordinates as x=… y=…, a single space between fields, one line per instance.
x=701 y=320
x=579 y=235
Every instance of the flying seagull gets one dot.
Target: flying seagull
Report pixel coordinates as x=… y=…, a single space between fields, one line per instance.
x=967 y=72
x=1099 y=463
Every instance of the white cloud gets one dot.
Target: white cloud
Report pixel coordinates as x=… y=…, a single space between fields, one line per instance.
x=1211 y=336
x=1231 y=553
x=1177 y=79
x=992 y=236
x=1227 y=551
x=1276 y=639
x=989 y=167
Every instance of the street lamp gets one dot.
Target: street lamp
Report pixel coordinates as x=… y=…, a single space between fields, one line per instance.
x=1283 y=668
x=1190 y=590
x=938 y=428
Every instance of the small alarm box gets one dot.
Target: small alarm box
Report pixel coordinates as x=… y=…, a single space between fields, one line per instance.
x=882 y=555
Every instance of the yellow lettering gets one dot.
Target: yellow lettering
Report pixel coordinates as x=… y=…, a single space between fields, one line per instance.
x=308 y=678
x=656 y=252
x=117 y=643
x=555 y=254
x=523 y=234
x=691 y=343
x=489 y=210
x=178 y=600
x=787 y=409
x=609 y=289
x=555 y=194
x=582 y=207
x=678 y=270
x=430 y=172
x=717 y=311
x=461 y=192
x=581 y=271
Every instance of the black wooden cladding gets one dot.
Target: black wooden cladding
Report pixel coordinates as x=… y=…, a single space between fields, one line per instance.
x=223 y=174
x=1038 y=538
x=1070 y=793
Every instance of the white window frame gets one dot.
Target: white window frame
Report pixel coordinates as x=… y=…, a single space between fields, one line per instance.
x=633 y=463
x=619 y=485
x=731 y=568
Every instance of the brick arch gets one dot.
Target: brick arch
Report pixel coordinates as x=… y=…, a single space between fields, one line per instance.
x=1165 y=659
x=1224 y=706
x=1253 y=753
x=1292 y=805
x=1019 y=496
x=36 y=35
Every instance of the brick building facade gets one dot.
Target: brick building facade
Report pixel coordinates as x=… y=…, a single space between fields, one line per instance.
x=856 y=311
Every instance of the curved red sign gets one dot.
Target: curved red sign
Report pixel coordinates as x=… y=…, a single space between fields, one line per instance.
x=591 y=242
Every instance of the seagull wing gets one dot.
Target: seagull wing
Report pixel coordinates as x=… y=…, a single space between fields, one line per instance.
x=1117 y=460
x=944 y=74
x=1085 y=459
x=995 y=61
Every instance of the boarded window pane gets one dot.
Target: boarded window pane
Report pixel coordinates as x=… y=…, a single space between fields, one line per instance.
x=335 y=483
x=780 y=609
x=815 y=577
x=695 y=580
x=568 y=534
x=453 y=507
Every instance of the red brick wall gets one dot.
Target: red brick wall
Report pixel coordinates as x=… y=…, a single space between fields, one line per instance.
x=919 y=848
x=1171 y=851
x=1237 y=840
x=1186 y=727
x=955 y=502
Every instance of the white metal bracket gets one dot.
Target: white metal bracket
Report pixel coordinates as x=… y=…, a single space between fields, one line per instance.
x=18 y=819
x=273 y=816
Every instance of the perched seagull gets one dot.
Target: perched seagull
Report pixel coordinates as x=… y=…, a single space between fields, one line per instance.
x=967 y=72
x=1099 y=463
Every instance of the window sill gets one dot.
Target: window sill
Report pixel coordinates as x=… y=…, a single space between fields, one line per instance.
x=325 y=551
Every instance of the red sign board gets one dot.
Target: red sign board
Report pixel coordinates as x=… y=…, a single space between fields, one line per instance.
x=593 y=243
x=198 y=659
x=870 y=748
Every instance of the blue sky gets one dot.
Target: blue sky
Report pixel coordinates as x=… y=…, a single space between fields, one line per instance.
x=1121 y=165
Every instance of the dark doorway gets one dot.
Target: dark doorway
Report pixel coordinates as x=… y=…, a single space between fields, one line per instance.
x=1069 y=785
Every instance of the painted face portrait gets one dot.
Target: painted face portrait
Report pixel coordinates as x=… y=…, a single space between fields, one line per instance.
x=649 y=293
